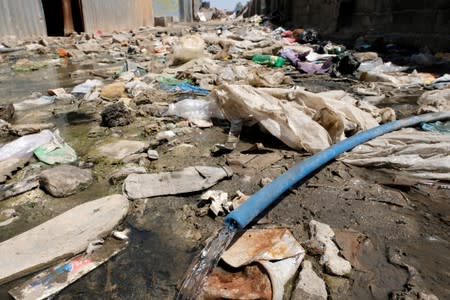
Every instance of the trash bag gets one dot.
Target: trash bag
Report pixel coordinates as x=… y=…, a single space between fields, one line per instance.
x=56 y=151
x=308 y=36
x=345 y=65
x=188 y=48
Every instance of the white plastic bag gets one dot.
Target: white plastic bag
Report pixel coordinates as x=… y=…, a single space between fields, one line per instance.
x=188 y=48
x=24 y=146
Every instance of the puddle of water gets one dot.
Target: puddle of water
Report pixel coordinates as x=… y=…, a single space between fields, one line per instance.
x=203 y=265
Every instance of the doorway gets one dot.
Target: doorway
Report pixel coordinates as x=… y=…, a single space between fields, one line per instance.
x=63 y=16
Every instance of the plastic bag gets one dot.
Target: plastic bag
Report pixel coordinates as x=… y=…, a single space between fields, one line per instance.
x=24 y=146
x=188 y=48
x=377 y=66
x=56 y=152
x=86 y=87
x=33 y=103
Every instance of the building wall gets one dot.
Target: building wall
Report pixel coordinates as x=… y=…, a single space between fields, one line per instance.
x=414 y=22
x=24 y=18
x=167 y=8
x=109 y=15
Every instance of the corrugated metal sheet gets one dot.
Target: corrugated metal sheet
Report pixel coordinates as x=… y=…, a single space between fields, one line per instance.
x=109 y=15
x=22 y=18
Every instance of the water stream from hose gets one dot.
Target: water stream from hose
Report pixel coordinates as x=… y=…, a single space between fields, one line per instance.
x=204 y=263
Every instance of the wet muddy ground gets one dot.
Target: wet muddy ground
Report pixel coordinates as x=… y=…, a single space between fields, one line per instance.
x=397 y=224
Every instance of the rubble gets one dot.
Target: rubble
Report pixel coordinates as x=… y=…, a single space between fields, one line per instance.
x=333 y=263
x=309 y=286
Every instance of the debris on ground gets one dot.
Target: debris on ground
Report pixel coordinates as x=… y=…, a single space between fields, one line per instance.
x=168 y=113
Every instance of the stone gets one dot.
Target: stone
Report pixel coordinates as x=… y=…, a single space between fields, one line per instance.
x=56 y=92
x=134 y=158
x=314 y=247
x=62 y=181
x=113 y=91
x=89 y=47
x=153 y=154
x=116 y=114
x=119 y=38
x=123 y=172
x=338 y=287
x=4 y=128
x=165 y=135
x=120 y=149
x=25 y=129
x=334 y=264
x=7 y=112
x=310 y=286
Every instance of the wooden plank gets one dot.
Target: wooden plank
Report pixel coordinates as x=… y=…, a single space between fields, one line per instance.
x=55 y=279
x=63 y=236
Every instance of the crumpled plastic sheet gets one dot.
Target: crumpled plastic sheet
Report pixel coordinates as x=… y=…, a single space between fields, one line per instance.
x=424 y=155
x=434 y=101
x=300 y=119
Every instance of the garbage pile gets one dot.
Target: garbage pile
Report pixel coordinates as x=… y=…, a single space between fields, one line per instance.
x=135 y=119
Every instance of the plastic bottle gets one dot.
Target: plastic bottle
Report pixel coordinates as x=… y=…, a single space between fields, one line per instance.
x=194 y=109
x=271 y=60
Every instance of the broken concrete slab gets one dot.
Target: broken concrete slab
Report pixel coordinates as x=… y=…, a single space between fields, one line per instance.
x=334 y=264
x=62 y=181
x=55 y=279
x=188 y=180
x=120 y=149
x=309 y=286
x=60 y=237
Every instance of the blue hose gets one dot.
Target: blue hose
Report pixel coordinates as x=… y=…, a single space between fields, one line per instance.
x=262 y=199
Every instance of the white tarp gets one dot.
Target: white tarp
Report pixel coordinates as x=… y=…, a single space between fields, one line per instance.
x=420 y=154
